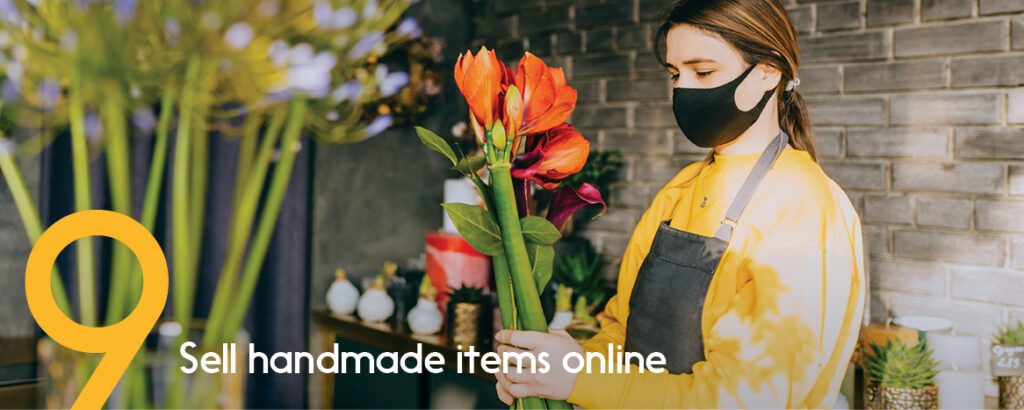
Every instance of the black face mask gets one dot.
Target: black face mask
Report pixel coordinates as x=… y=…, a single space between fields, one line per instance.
x=710 y=117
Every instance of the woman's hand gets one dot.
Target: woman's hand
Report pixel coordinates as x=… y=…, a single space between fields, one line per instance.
x=554 y=384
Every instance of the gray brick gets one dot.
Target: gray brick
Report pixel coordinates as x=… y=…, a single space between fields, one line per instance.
x=970 y=318
x=944 y=212
x=802 y=18
x=606 y=15
x=1016 y=105
x=845 y=47
x=912 y=277
x=635 y=37
x=647 y=64
x=1017 y=248
x=986 y=143
x=973 y=37
x=606 y=64
x=857 y=175
x=1016 y=180
x=507 y=7
x=877 y=238
x=655 y=116
x=911 y=75
x=946 y=9
x=637 y=142
x=654 y=9
x=824 y=80
x=615 y=220
x=552 y=19
x=600 y=116
x=987 y=71
x=682 y=145
x=631 y=195
x=988 y=286
x=600 y=40
x=999 y=215
x=888 y=12
x=847 y=111
x=495 y=27
x=839 y=16
x=897 y=142
x=659 y=169
x=968 y=177
x=639 y=90
x=949 y=247
x=587 y=91
x=888 y=209
x=540 y=45
x=952 y=109
x=568 y=42
x=828 y=142
x=1000 y=6
x=614 y=246
x=1018 y=33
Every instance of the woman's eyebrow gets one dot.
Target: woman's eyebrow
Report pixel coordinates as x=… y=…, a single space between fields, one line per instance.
x=698 y=61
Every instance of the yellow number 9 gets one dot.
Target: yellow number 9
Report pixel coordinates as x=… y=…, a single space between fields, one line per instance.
x=120 y=341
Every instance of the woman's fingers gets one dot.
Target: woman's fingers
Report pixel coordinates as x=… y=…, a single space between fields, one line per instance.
x=503 y=395
x=515 y=384
x=525 y=339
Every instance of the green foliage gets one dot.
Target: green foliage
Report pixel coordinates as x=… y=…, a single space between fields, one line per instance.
x=436 y=143
x=1012 y=334
x=539 y=231
x=901 y=366
x=468 y=294
x=477 y=226
x=542 y=259
x=601 y=169
x=581 y=270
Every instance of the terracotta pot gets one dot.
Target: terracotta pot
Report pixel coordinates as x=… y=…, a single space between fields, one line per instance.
x=884 y=397
x=1011 y=392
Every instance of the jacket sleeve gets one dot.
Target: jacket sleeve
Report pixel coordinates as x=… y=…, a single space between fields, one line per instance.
x=767 y=348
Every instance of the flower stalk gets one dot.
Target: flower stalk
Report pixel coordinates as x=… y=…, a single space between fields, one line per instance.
x=83 y=201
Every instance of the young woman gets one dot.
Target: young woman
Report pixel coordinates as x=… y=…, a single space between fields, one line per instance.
x=746 y=272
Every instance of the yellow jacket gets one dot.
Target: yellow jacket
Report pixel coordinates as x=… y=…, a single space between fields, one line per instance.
x=782 y=314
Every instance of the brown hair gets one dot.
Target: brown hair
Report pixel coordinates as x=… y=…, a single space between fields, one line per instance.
x=762 y=32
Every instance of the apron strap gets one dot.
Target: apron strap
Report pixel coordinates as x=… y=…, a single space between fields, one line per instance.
x=764 y=163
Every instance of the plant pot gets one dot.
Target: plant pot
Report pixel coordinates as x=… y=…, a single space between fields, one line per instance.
x=63 y=373
x=885 y=397
x=469 y=324
x=1011 y=392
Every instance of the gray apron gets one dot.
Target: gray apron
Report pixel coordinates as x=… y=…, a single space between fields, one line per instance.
x=668 y=297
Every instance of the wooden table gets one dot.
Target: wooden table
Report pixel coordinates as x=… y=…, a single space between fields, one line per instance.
x=380 y=336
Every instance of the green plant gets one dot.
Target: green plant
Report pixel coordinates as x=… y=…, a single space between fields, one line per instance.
x=1012 y=334
x=581 y=270
x=601 y=169
x=468 y=294
x=901 y=366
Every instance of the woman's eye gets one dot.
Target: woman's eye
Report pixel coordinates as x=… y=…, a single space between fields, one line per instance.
x=703 y=74
x=674 y=77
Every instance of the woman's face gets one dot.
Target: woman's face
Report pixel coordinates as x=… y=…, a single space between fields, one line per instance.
x=698 y=59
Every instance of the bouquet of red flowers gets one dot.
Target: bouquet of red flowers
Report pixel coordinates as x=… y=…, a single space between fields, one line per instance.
x=518 y=117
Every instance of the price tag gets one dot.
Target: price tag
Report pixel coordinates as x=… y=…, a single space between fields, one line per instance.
x=1007 y=360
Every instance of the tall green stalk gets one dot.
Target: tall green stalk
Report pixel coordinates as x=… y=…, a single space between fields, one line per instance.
x=30 y=218
x=83 y=201
x=241 y=226
x=118 y=166
x=268 y=219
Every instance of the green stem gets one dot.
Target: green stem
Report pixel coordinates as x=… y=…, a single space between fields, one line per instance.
x=268 y=219
x=30 y=217
x=247 y=151
x=506 y=297
x=121 y=200
x=200 y=168
x=241 y=227
x=83 y=201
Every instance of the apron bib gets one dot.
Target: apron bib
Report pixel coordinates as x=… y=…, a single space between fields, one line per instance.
x=668 y=297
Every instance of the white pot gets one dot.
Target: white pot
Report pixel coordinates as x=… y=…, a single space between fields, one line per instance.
x=375 y=306
x=560 y=321
x=425 y=318
x=342 y=297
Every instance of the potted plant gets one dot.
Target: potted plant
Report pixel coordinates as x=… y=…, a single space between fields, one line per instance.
x=581 y=270
x=900 y=377
x=1009 y=339
x=469 y=319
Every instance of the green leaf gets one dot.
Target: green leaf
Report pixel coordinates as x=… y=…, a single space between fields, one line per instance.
x=542 y=259
x=436 y=143
x=470 y=164
x=539 y=230
x=477 y=226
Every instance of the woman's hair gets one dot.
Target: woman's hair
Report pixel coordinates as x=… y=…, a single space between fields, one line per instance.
x=762 y=32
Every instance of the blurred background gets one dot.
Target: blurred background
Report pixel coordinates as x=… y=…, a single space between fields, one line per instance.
x=919 y=114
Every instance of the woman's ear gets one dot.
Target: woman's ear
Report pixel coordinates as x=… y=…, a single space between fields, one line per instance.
x=769 y=77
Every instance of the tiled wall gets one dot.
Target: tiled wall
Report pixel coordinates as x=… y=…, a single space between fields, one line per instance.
x=919 y=110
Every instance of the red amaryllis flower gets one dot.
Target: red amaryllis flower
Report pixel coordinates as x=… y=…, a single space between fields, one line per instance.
x=547 y=100
x=552 y=156
x=479 y=78
x=566 y=201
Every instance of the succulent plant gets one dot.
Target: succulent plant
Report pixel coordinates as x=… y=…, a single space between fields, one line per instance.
x=581 y=270
x=468 y=294
x=901 y=366
x=1012 y=334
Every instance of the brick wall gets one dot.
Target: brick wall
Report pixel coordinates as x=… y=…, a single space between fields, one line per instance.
x=919 y=110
